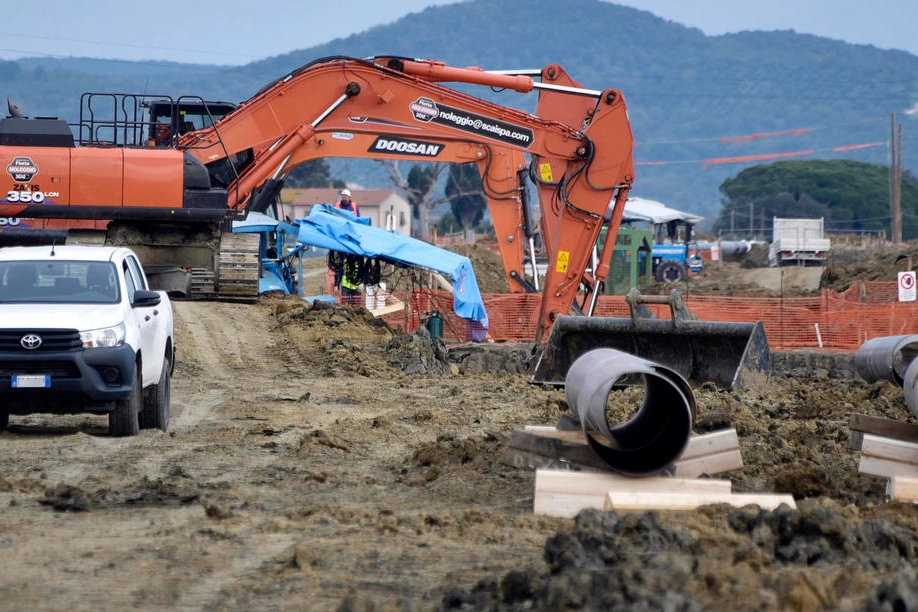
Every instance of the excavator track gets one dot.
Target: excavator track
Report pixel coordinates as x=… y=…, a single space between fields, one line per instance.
x=202 y=284
x=238 y=267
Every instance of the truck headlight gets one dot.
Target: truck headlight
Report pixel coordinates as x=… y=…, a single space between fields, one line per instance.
x=105 y=337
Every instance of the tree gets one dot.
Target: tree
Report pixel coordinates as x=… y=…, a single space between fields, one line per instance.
x=851 y=196
x=464 y=190
x=9 y=71
x=447 y=224
x=314 y=173
x=419 y=190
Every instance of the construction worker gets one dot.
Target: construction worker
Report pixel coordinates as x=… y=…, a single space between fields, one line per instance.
x=346 y=202
x=350 y=279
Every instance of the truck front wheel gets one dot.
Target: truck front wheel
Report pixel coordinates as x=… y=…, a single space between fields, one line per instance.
x=157 y=400
x=671 y=272
x=124 y=419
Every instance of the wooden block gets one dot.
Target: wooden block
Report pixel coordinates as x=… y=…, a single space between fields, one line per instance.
x=534 y=461
x=549 y=431
x=886 y=468
x=888 y=448
x=888 y=457
x=554 y=481
x=656 y=500
x=857 y=439
x=710 y=453
x=388 y=308
x=560 y=445
x=565 y=493
x=710 y=444
x=708 y=464
x=887 y=428
x=903 y=488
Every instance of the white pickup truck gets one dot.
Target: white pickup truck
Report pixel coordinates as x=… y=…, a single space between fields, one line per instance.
x=81 y=331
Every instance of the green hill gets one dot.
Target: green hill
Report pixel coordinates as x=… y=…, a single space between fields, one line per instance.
x=698 y=104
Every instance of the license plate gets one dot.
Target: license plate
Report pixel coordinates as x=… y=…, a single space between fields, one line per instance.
x=31 y=381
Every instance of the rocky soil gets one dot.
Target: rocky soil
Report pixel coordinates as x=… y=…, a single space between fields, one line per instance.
x=319 y=459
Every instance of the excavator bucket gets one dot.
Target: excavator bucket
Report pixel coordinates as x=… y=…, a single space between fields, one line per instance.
x=730 y=355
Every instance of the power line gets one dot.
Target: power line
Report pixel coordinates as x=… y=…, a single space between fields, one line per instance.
x=28 y=53
x=720 y=139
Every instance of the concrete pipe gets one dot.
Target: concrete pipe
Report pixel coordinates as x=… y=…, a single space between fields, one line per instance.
x=655 y=435
x=910 y=387
x=886 y=358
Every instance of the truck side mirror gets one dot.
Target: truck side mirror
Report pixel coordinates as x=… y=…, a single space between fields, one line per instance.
x=145 y=299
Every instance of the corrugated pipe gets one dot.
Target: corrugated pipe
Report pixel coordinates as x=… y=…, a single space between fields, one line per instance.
x=655 y=435
x=886 y=358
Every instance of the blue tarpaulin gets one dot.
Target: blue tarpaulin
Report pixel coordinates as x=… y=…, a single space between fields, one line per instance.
x=340 y=230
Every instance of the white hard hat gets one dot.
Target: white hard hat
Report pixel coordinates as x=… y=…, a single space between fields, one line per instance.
x=346 y=192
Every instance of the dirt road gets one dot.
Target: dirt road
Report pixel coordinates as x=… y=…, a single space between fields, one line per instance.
x=285 y=482
x=318 y=461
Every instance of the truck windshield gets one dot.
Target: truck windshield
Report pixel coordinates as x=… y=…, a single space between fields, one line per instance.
x=90 y=282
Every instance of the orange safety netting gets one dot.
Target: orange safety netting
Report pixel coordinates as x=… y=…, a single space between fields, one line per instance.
x=833 y=320
x=751 y=137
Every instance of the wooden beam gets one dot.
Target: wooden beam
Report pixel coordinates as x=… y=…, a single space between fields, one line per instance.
x=887 y=448
x=656 y=500
x=565 y=493
x=395 y=306
x=885 y=468
x=562 y=445
x=521 y=459
x=709 y=464
x=903 y=488
x=888 y=457
x=880 y=426
x=710 y=444
x=711 y=453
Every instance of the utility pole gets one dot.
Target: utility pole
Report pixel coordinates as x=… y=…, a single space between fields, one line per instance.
x=895 y=181
x=899 y=186
x=751 y=220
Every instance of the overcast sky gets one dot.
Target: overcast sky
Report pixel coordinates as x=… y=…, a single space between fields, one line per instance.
x=240 y=31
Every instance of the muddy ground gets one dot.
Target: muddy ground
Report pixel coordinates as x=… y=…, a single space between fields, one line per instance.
x=318 y=459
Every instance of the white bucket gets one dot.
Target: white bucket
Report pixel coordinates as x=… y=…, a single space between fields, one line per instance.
x=370 y=298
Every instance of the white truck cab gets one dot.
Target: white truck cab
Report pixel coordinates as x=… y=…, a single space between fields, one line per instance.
x=81 y=331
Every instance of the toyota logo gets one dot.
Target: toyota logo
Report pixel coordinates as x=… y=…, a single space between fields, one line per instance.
x=30 y=342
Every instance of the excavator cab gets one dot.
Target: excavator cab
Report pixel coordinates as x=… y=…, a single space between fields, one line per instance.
x=169 y=118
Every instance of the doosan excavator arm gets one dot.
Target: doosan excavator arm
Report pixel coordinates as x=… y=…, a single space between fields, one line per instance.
x=579 y=144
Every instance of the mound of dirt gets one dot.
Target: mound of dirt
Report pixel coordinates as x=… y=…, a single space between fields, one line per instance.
x=489 y=269
x=812 y=558
x=844 y=548
x=847 y=267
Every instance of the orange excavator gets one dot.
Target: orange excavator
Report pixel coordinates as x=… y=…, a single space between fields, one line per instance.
x=172 y=195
